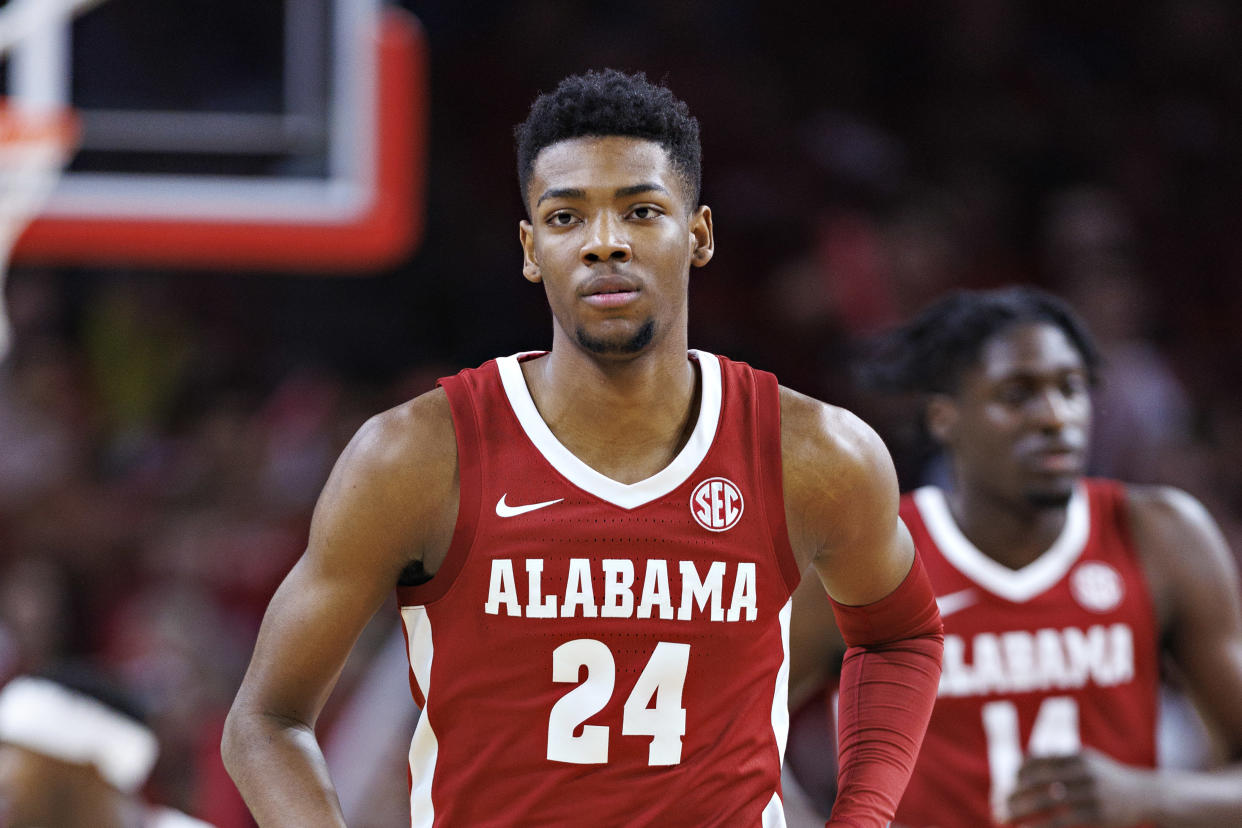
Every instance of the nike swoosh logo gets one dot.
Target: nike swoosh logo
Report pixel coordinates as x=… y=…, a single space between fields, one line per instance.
x=504 y=510
x=956 y=601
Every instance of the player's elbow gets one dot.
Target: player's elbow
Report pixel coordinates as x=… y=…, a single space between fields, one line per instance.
x=233 y=747
x=245 y=734
x=255 y=736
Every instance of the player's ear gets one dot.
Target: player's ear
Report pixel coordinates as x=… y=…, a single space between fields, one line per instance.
x=530 y=267
x=941 y=418
x=702 y=239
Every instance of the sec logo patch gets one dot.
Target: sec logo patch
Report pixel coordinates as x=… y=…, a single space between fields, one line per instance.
x=1097 y=586
x=717 y=504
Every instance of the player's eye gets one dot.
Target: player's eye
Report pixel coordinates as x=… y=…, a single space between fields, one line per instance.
x=1074 y=385
x=561 y=218
x=1013 y=393
x=645 y=211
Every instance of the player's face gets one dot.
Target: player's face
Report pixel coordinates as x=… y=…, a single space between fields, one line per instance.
x=612 y=236
x=1017 y=428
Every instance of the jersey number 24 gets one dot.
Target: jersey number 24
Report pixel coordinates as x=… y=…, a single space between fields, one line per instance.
x=661 y=682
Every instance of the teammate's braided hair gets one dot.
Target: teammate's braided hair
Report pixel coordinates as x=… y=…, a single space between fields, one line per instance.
x=929 y=354
x=607 y=103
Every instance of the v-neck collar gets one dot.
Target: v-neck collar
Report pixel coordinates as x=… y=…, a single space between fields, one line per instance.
x=625 y=495
x=1018 y=585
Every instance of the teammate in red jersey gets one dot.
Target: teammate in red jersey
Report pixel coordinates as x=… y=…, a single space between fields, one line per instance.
x=595 y=546
x=1060 y=594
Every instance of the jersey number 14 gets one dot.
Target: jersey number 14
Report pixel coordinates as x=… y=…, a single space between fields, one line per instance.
x=661 y=682
x=1055 y=733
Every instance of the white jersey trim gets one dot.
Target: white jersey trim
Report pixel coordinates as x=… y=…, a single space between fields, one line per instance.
x=424 y=747
x=774 y=814
x=780 y=699
x=1017 y=585
x=625 y=495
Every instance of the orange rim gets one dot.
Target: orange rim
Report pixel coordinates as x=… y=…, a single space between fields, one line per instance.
x=60 y=127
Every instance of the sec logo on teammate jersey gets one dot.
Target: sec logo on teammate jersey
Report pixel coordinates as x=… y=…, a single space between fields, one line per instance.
x=1097 y=586
x=717 y=504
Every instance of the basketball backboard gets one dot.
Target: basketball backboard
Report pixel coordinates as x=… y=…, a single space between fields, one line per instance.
x=285 y=135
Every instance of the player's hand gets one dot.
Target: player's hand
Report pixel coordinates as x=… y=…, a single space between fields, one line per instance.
x=1086 y=788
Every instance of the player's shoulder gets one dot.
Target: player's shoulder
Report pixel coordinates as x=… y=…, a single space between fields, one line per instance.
x=831 y=458
x=393 y=486
x=413 y=438
x=817 y=432
x=1176 y=535
x=1164 y=509
x=840 y=487
x=412 y=425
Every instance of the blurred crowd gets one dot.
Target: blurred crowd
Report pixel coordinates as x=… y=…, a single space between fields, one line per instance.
x=163 y=436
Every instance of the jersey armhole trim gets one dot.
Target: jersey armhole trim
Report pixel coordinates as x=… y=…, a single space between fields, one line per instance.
x=470 y=486
x=767 y=403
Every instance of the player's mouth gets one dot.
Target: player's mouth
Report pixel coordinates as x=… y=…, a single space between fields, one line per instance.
x=610 y=291
x=1057 y=459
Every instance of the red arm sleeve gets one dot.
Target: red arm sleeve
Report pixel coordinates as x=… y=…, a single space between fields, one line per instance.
x=888 y=686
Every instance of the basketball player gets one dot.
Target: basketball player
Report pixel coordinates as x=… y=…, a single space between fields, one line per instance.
x=74 y=753
x=595 y=546
x=1059 y=593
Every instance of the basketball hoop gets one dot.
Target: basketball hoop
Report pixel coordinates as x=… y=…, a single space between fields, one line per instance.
x=34 y=147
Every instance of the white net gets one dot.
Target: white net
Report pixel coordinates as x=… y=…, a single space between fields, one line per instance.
x=36 y=134
x=34 y=146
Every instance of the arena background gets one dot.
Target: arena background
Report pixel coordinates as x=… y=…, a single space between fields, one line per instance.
x=164 y=432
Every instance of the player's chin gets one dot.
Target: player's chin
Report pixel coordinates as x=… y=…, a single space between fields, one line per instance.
x=1050 y=493
x=616 y=338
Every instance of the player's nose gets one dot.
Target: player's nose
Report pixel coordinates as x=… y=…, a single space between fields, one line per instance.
x=1051 y=410
x=605 y=241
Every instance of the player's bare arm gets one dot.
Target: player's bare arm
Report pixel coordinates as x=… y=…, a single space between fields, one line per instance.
x=841 y=504
x=815 y=643
x=1196 y=590
x=1202 y=623
x=390 y=503
x=858 y=553
x=841 y=501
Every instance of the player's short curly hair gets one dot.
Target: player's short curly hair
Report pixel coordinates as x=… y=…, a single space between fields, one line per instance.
x=609 y=102
x=929 y=354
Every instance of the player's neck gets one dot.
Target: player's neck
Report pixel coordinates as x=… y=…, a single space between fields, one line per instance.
x=1012 y=534
x=627 y=419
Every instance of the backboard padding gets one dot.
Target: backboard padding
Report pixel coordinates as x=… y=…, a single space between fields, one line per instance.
x=337 y=187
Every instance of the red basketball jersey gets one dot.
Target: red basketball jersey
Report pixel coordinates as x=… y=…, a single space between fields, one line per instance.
x=604 y=654
x=1058 y=655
